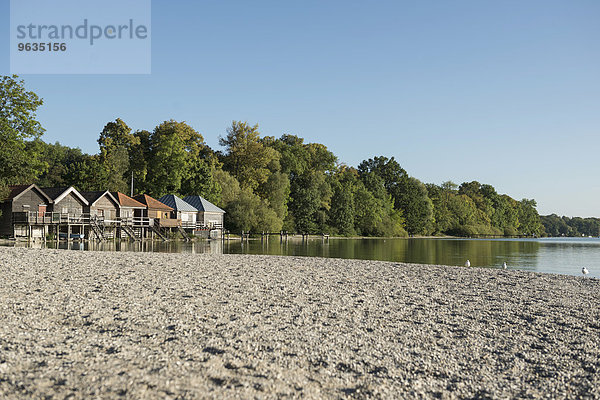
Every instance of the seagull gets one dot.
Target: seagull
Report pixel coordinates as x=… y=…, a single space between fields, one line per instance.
x=504 y=266
x=467 y=263
x=584 y=271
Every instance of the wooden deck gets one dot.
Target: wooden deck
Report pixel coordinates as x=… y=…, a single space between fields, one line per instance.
x=97 y=227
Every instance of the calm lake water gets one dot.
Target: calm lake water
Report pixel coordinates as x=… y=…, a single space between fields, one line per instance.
x=550 y=255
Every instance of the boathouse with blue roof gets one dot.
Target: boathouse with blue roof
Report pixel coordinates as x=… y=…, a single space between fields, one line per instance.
x=182 y=210
x=209 y=215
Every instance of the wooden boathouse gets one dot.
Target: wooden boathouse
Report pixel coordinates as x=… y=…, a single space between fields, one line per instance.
x=25 y=212
x=132 y=222
x=69 y=220
x=159 y=216
x=209 y=220
x=103 y=210
x=31 y=212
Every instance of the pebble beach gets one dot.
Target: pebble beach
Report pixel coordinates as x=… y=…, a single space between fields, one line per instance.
x=82 y=325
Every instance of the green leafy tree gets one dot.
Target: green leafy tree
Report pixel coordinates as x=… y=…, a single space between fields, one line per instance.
x=176 y=162
x=248 y=212
x=58 y=160
x=200 y=181
x=88 y=174
x=307 y=166
x=229 y=188
x=276 y=191
x=529 y=218
x=374 y=209
x=18 y=125
x=310 y=201
x=139 y=159
x=391 y=173
x=441 y=198
x=116 y=142
x=416 y=206
x=341 y=212
x=246 y=157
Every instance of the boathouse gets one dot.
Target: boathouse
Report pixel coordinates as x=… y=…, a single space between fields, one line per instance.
x=25 y=212
x=209 y=215
x=159 y=215
x=181 y=210
x=67 y=209
x=102 y=205
x=133 y=223
x=129 y=207
x=103 y=209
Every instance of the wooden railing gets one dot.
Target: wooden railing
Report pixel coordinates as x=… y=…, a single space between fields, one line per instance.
x=136 y=221
x=201 y=226
x=167 y=222
x=188 y=224
x=34 y=217
x=48 y=218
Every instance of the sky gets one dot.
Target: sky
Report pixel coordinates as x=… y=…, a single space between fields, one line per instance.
x=502 y=92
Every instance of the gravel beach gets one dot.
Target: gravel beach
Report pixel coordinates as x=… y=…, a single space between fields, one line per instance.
x=79 y=324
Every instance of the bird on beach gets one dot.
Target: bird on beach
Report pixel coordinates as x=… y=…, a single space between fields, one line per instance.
x=467 y=263
x=504 y=266
x=584 y=271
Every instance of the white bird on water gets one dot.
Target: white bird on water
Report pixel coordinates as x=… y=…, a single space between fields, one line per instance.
x=467 y=263
x=584 y=271
x=504 y=266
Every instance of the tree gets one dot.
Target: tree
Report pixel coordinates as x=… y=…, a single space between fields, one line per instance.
x=248 y=212
x=307 y=167
x=276 y=191
x=294 y=156
x=139 y=157
x=416 y=206
x=200 y=181
x=441 y=197
x=88 y=174
x=388 y=170
x=58 y=161
x=18 y=124
x=228 y=185
x=310 y=201
x=341 y=213
x=246 y=157
x=176 y=161
x=116 y=142
x=529 y=218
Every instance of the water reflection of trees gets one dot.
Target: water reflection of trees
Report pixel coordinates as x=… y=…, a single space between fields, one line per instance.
x=481 y=252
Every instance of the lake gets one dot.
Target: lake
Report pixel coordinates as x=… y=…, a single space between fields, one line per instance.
x=550 y=255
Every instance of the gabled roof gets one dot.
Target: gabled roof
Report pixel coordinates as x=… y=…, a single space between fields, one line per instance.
x=202 y=204
x=93 y=197
x=59 y=193
x=126 y=201
x=17 y=190
x=176 y=203
x=151 y=202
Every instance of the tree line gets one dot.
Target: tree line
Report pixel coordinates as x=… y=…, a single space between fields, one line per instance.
x=565 y=226
x=264 y=183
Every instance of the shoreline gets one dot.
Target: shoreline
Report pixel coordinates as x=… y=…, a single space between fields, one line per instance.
x=153 y=325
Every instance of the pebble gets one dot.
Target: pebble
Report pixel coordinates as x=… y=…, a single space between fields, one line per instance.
x=149 y=325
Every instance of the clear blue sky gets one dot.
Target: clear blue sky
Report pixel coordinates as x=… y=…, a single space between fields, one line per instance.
x=502 y=92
